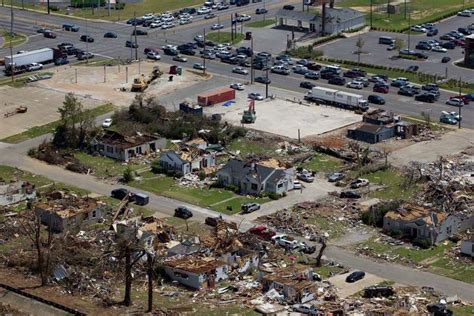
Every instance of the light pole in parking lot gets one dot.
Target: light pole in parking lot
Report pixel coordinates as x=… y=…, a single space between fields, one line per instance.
x=371 y=13
x=266 y=83
x=460 y=104
x=409 y=28
x=135 y=32
x=12 y=66
x=203 y=55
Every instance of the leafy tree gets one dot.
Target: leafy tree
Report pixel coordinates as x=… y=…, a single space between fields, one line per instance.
x=128 y=175
x=399 y=44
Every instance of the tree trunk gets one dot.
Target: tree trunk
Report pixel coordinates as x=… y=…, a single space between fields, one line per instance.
x=39 y=251
x=150 y=282
x=128 y=277
x=320 y=254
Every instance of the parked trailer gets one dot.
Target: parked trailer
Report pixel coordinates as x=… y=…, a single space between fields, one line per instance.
x=217 y=96
x=338 y=98
x=43 y=56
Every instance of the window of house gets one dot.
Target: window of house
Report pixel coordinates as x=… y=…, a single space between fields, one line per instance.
x=94 y=214
x=280 y=185
x=110 y=149
x=448 y=229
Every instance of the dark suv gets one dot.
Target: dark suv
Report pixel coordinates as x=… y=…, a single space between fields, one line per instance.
x=339 y=81
x=87 y=38
x=183 y=212
x=425 y=97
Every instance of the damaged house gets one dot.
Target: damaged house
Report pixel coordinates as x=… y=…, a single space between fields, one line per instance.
x=117 y=146
x=16 y=192
x=196 y=272
x=190 y=159
x=255 y=178
x=70 y=213
x=295 y=283
x=423 y=224
x=242 y=259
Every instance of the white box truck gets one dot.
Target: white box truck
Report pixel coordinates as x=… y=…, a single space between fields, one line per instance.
x=338 y=98
x=42 y=56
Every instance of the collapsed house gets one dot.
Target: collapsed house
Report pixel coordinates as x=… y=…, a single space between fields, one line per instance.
x=69 y=213
x=255 y=178
x=295 y=283
x=467 y=246
x=16 y=192
x=187 y=161
x=196 y=272
x=424 y=224
x=120 y=147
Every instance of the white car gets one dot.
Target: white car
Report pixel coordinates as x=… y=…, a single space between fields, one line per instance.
x=107 y=123
x=167 y=26
x=306 y=309
x=155 y=25
x=203 y=10
x=439 y=49
x=148 y=16
x=455 y=102
x=466 y=13
x=185 y=21
x=169 y=18
x=237 y=86
x=199 y=66
x=34 y=67
x=358 y=183
x=153 y=55
x=297 y=185
x=418 y=28
x=217 y=26
x=240 y=70
x=169 y=46
x=355 y=84
x=255 y=96
x=244 y=18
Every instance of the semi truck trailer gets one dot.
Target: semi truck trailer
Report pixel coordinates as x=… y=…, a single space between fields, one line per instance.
x=17 y=63
x=338 y=98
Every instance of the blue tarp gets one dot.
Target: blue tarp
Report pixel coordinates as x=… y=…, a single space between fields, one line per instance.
x=228 y=103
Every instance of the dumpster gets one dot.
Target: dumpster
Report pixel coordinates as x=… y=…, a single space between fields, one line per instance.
x=179 y=71
x=173 y=69
x=216 y=96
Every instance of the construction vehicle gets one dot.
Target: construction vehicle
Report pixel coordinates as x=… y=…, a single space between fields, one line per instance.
x=141 y=83
x=249 y=115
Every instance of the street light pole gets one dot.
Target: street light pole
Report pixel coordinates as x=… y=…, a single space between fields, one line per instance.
x=12 y=66
x=371 y=13
x=135 y=32
x=409 y=29
x=460 y=105
x=204 y=59
x=266 y=84
x=251 y=61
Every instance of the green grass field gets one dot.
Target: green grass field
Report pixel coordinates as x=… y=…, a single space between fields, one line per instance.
x=224 y=37
x=421 y=11
x=261 y=23
x=323 y=163
x=16 y=40
x=392 y=181
x=103 y=166
x=49 y=128
x=246 y=146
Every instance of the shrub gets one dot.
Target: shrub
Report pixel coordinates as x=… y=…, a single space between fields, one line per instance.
x=202 y=175
x=178 y=174
x=274 y=196
x=127 y=175
x=395 y=233
x=422 y=243
x=120 y=6
x=229 y=208
x=157 y=168
x=233 y=188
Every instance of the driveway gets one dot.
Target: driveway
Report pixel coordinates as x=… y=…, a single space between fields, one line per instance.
x=345 y=289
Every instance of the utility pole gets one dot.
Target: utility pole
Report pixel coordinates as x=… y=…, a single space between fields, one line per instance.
x=264 y=13
x=87 y=39
x=371 y=13
x=266 y=84
x=409 y=28
x=11 y=46
x=204 y=59
x=135 y=32
x=460 y=105
x=231 y=28
x=47 y=4
x=252 y=74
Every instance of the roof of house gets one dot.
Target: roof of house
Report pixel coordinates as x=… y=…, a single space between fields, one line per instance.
x=410 y=213
x=293 y=276
x=185 y=248
x=122 y=141
x=342 y=14
x=297 y=15
x=371 y=128
x=380 y=115
x=194 y=264
x=69 y=207
x=240 y=169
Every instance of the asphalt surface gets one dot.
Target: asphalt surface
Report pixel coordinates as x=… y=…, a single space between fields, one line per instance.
x=378 y=54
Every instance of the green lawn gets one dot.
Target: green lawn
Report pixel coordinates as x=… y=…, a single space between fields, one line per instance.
x=325 y=271
x=392 y=181
x=333 y=227
x=103 y=166
x=323 y=163
x=462 y=310
x=422 y=11
x=166 y=186
x=261 y=23
x=8 y=174
x=434 y=257
x=246 y=146
x=16 y=39
x=48 y=128
x=224 y=37
x=21 y=80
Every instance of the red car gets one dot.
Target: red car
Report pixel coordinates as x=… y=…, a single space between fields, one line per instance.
x=459 y=42
x=262 y=232
x=150 y=49
x=381 y=89
x=465 y=98
x=49 y=35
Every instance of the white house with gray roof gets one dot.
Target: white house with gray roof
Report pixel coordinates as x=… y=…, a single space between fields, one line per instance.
x=252 y=178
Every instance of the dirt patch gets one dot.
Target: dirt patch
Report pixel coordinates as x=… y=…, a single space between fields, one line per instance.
x=90 y=81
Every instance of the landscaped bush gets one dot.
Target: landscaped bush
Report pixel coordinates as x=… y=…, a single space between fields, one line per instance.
x=306 y=52
x=157 y=168
x=274 y=196
x=233 y=188
x=202 y=175
x=422 y=243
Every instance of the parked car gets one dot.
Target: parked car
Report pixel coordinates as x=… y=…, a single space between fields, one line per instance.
x=255 y=96
x=262 y=232
x=131 y=44
x=314 y=75
x=261 y=11
x=199 y=66
x=339 y=81
x=49 y=35
x=107 y=123
x=305 y=309
x=249 y=208
x=240 y=71
x=263 y=80
x=237 y=86
x=413 y=68
x=355 y=84
x=183 y=212
x=376 y=99
x=153 y=55
x=141 y=198
x=406 y=92
x=180 y=58
x=425 y=97
x=170 y=51
x=336 y=176
x=209 y=16
x=34 y=67
x=445 y=60
x=355 y=276
x=381 y=89
x=61 y=61
x=217 y=26
x=306 y=177
x=85 y=55
x=297 y=185
x=120 y=194
x=349 y=195
x=455 y=102
x=307 y=85
x=110 y=35
x=212 y=221
x=448 y=120
x=358 y=183
x=87 y=38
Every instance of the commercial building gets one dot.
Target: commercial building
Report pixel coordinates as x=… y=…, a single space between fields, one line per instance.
x=469 y=51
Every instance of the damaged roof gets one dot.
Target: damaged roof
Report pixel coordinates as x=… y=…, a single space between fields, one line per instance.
x=240 y=169
x=195 y=264
x=294 y=276
x=69 y=207
x=122 y=141
x=410 y=213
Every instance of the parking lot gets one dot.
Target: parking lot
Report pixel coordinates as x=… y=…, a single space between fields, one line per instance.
x=346 y=289
x=377 y=54
x=284 y=118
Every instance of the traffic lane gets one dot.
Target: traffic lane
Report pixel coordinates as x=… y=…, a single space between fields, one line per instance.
x=377 y=54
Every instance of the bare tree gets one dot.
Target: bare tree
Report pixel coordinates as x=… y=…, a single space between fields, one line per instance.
x=322 y=241
x=399 y=44
x=359 y=44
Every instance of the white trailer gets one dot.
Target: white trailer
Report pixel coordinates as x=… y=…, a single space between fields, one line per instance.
x=338 y=98
x=44 y=55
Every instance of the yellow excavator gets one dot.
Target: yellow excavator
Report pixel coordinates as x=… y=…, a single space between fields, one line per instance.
x=141 y=83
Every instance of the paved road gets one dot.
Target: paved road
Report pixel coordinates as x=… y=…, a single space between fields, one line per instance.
x=378 y=55
x=402 y=274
